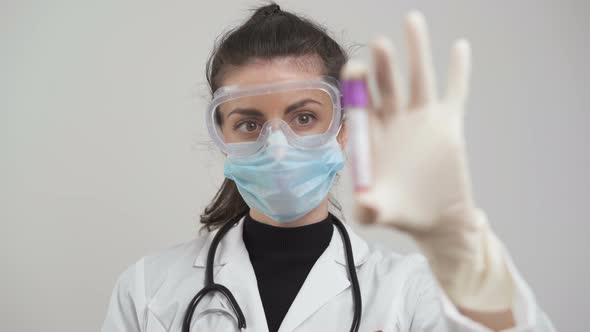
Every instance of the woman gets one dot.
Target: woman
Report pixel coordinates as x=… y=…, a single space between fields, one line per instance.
x=277 y=117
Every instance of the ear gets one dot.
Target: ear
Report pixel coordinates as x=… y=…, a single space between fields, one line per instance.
x=342 y=136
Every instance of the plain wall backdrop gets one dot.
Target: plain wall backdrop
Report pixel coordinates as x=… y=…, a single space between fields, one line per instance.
x=104 y=156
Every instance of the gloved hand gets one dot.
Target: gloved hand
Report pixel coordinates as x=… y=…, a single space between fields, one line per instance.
x=421 y=182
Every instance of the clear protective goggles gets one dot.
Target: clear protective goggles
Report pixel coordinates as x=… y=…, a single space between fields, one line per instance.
x=240 y=119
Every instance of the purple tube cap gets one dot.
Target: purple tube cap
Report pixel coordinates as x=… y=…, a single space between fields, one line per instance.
x=354 y=93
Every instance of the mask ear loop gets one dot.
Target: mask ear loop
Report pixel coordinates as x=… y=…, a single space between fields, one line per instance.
x=342 y=120
x=341 y=123
x=344 y=116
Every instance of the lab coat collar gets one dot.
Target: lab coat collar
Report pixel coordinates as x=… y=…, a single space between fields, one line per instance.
x=232 y=246
x=360 y=249
x=235 y=272
x=327 y=278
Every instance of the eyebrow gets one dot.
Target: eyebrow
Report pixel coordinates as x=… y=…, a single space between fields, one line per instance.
x=256 y=113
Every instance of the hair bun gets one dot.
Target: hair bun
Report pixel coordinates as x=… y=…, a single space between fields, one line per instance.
x=272 y=10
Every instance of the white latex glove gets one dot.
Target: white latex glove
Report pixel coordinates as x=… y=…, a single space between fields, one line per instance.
x=421 y=182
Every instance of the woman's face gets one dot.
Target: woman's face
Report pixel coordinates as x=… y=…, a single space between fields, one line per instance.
x=307 y=112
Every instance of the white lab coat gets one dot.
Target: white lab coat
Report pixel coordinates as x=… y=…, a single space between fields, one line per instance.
x=398 y=292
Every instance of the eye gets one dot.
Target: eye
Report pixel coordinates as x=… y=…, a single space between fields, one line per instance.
x=304 y=119
x=247 y=126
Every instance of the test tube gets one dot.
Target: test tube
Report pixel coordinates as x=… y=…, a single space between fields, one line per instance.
x=355 y=101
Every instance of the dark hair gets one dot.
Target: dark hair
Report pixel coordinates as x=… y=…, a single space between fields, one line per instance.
x=268 y=34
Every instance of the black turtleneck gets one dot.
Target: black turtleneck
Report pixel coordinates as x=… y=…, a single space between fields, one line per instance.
x=282 y=257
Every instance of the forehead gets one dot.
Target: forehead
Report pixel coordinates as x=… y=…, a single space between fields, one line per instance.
x=260 y=71
x=313 y=99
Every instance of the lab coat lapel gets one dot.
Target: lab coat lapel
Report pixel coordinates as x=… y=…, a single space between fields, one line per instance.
x=237 y=274
x=327 y=278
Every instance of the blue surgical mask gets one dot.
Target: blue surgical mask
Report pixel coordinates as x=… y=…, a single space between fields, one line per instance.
x=285 y=182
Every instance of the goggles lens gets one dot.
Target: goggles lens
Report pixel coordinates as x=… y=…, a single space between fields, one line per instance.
x=239 y=119
x=306 y=112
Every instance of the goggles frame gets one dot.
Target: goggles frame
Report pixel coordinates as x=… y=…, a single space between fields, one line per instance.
x=327 y=84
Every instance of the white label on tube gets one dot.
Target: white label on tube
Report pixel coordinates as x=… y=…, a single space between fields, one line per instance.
x=360 y=147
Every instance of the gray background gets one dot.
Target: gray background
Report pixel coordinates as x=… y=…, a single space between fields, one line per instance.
x=104 y=157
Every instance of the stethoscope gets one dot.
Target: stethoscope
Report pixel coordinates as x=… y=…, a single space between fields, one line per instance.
x=211 y=286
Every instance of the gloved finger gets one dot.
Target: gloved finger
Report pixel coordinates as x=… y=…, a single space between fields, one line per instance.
x=366 y=208
x=387 y=76
x=422 y=79
x=378 y=206
x=459 y=71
